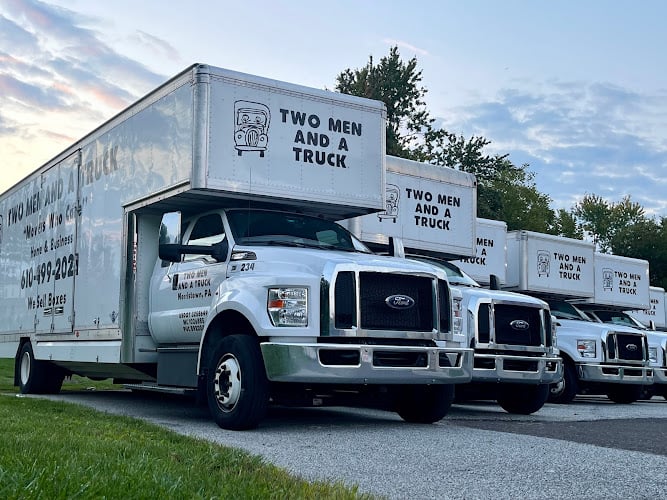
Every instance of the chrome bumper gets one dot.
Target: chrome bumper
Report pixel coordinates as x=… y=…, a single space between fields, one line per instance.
x=365 y=364
x=616 y=373
x=659 y=375
x=517 y=369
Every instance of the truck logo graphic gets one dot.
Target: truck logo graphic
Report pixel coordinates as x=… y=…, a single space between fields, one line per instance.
x=400 y=301
x=631 y=347
x=608 y=279
x=251 y=127
x=392 y=197
x=543 y=263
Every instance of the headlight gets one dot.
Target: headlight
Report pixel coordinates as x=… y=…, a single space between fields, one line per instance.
x=586 y=348
x=457 y=319
x=288 y=306
x=653 y=355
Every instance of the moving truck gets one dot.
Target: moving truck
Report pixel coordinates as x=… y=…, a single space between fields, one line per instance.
x=189 y=245
x=598 y=358
x=434 y=220
x=622 y=283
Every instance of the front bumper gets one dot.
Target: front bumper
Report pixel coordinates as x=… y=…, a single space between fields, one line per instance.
x=659 y=375
x=366 y=364
x=517 y=369
x=615 y=374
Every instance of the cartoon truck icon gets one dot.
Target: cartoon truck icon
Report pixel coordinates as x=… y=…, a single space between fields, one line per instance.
x=543 y=263
x=392 y=195
x=607 y=279
x=251 y=127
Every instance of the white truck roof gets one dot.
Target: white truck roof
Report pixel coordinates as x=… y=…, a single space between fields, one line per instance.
x=246 y=136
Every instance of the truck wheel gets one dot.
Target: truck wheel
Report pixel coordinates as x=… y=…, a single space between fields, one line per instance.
x=661 y=390
x=624 y=394
x=37 y=377
x=236 y=385
x=566 y=390
x=424 y=404
x=646 y=392
x=522 y=399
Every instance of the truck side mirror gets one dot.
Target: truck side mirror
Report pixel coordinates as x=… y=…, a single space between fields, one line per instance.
x=651 y=325
x=494 y=282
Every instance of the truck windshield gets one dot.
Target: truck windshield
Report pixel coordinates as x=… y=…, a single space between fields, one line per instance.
x=564 y=310
x=266 y=227
x=455 y=276
x=618 y=318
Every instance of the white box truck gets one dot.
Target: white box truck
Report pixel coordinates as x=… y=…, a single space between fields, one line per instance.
x=597 y=358
x=188 y=244
x=622 y=283
x=430 y=217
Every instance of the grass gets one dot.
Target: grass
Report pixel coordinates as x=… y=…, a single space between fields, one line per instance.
x=56 y=450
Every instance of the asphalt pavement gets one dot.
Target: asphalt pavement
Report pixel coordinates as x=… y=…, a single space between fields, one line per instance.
x=592 y=448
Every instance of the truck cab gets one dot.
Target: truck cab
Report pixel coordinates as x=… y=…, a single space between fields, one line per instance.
x=657 y=344
x=256 y=305
x=515 y=352
x=599 y=358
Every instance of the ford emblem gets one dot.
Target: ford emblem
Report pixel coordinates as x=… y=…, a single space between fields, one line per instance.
x=399 y=301
x=520 y=325
x=631 y=347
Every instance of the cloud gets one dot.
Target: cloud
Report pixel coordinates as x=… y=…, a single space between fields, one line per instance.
x=405 y=45
x=579 y=138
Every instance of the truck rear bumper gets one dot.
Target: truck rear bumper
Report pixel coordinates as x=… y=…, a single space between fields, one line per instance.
x=616 y=373
x=366 y=364
x=517 y=369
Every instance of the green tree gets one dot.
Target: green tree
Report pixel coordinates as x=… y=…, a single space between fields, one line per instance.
x=397 y=84
x=602 y=219
x=565 y=224
x=645 y=239
x=505 y=191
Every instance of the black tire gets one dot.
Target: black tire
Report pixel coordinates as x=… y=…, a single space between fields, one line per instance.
x=424 y=404
x=624 y=394
x=37 y=376
x=565 y=391
x=647 y=392
x=661 y=390
x=237 y=389
x=522 y=399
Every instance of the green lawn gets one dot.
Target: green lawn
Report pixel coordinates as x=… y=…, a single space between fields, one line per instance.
x=56 y=450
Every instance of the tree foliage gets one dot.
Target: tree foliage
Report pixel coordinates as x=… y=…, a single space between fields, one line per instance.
x=505 y=191
x=602 y=220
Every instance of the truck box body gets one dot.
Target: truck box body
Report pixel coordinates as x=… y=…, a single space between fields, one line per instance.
x=317 y=151
x=427 y=207
x=656 y=312
x=550 y=265
x=191 y=238
x=491 y=252
x=620 y=282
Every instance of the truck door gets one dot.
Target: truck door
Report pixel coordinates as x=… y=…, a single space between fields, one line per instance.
x=182 y=292
x=55 y=257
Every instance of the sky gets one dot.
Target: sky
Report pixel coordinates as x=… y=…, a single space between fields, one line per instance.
x=575 y=89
